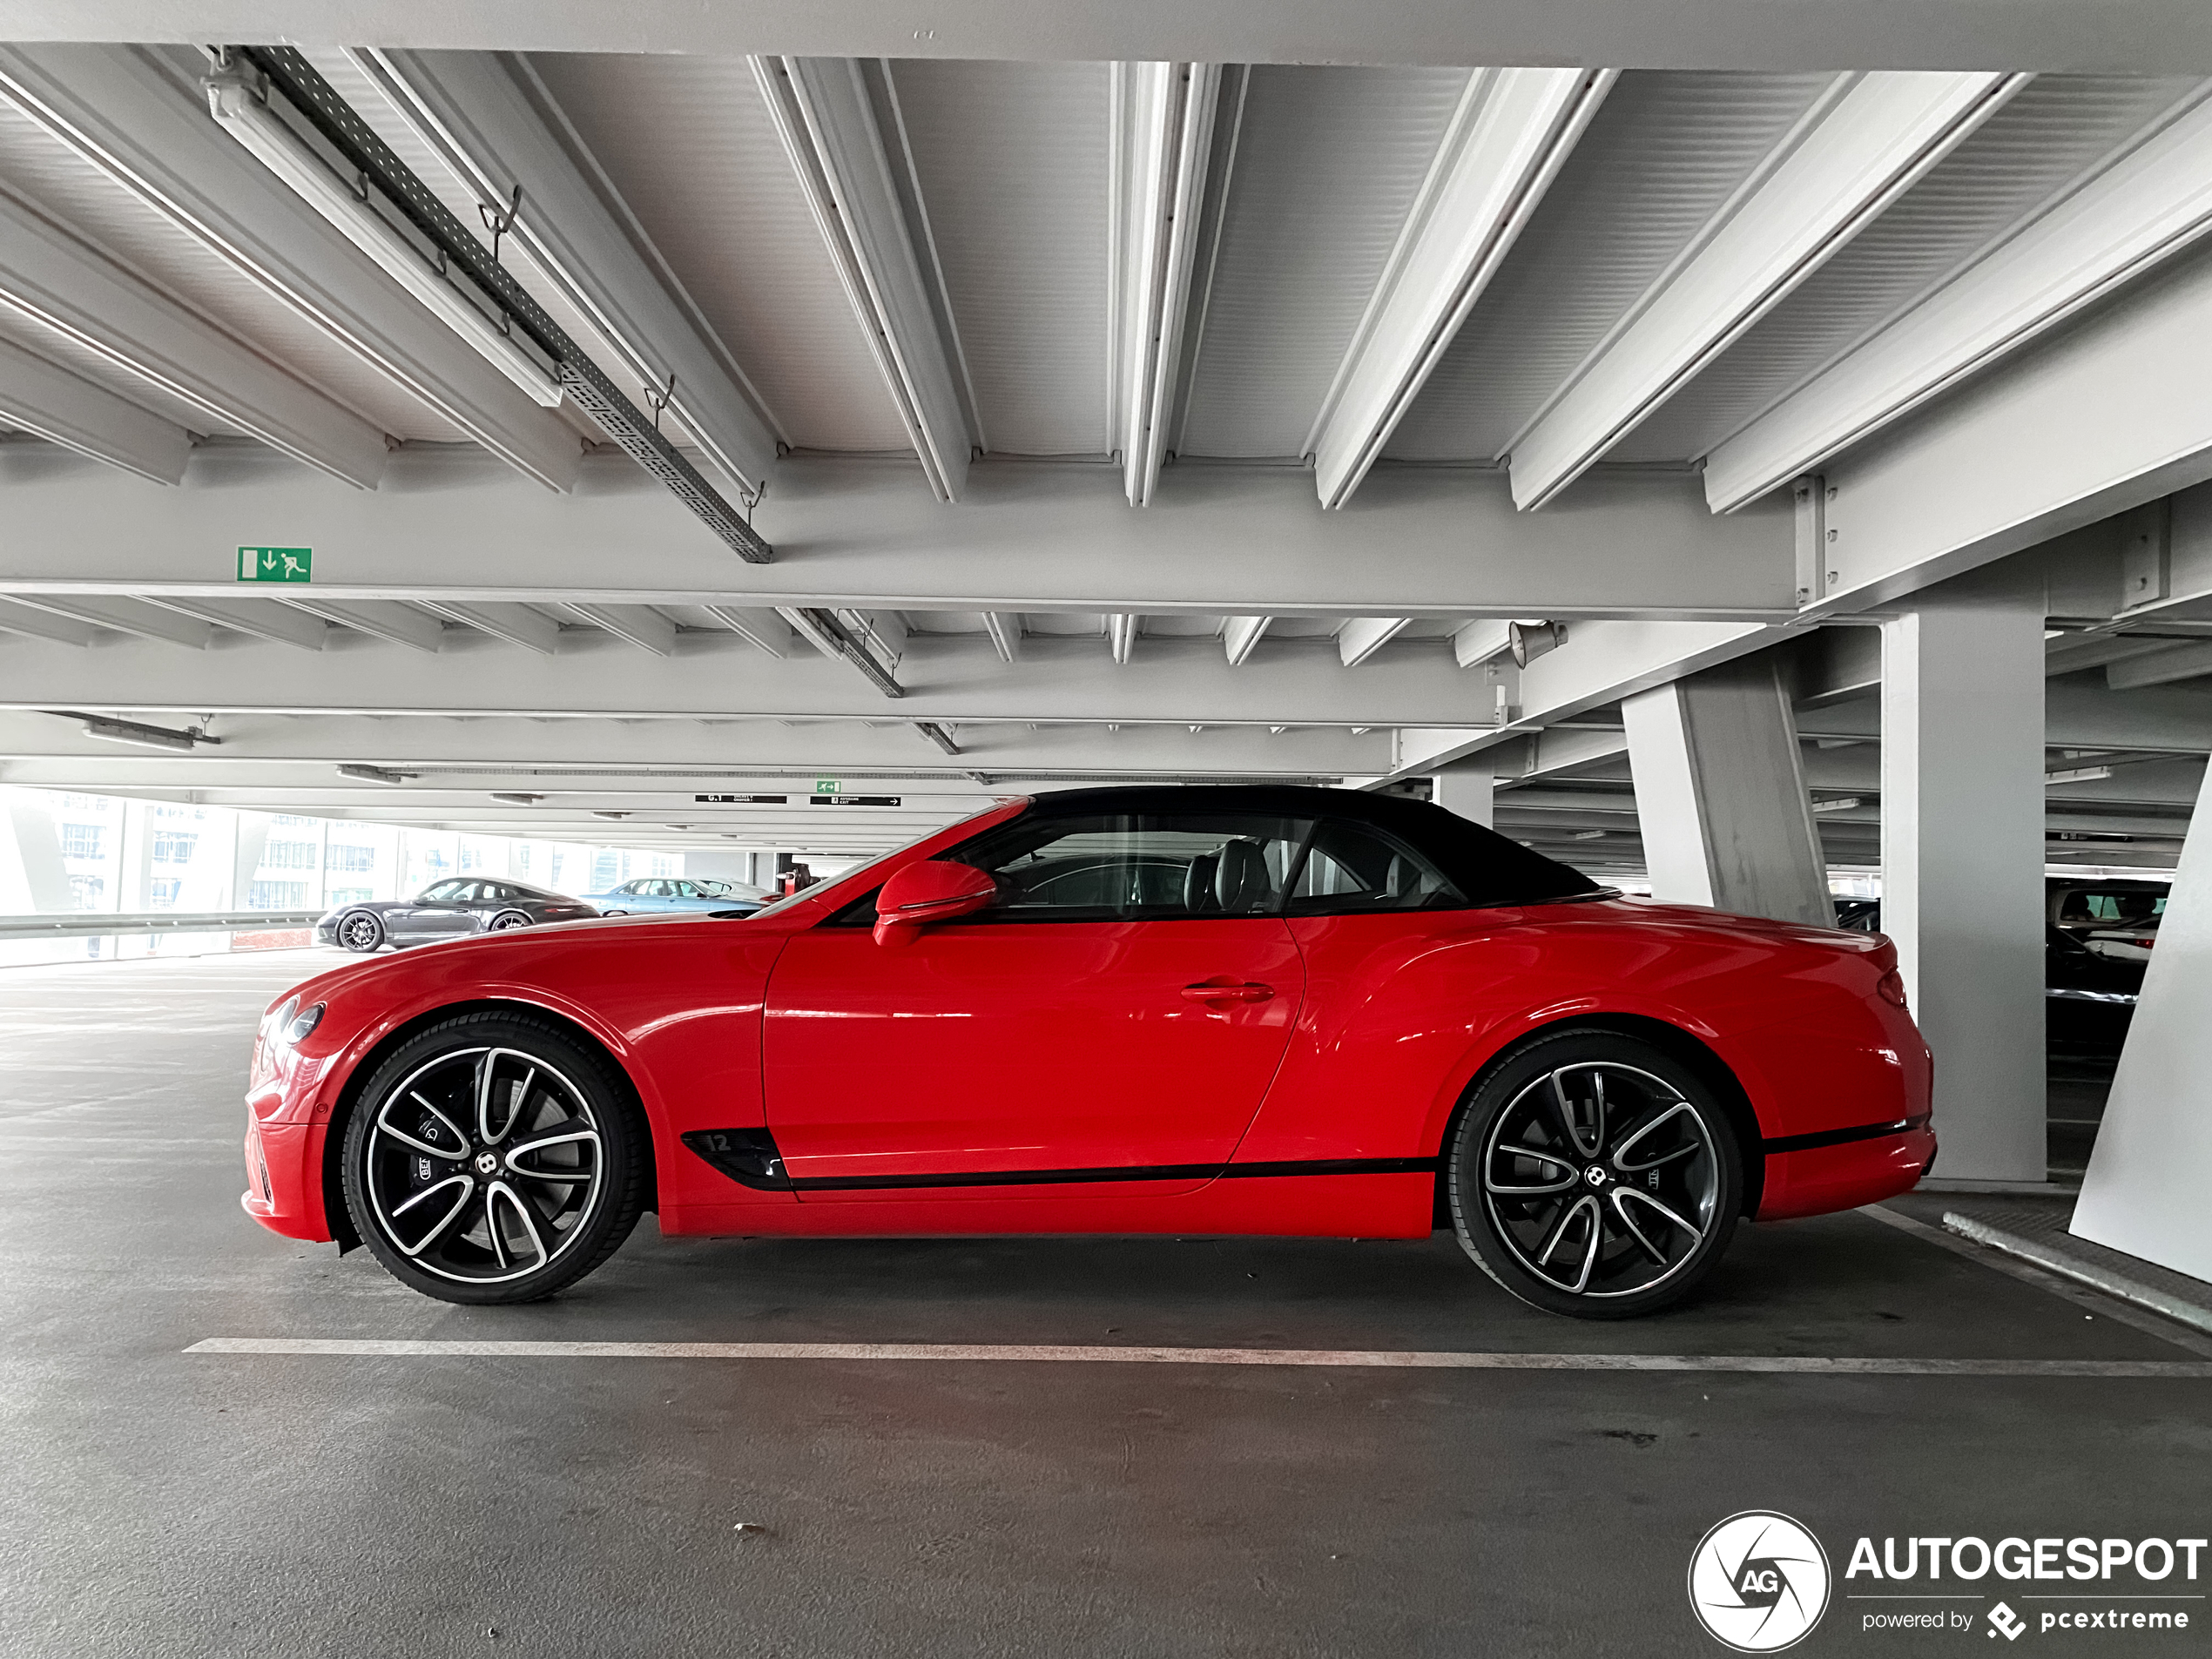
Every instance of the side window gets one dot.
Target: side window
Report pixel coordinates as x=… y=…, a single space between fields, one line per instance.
x=444 y=892
x=1137 y=866
x=685 y=890
x=1356 y=867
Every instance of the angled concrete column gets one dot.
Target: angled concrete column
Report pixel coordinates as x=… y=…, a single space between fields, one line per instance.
x=1721 y=795
x=1962 y=868
x=1464 y=790
x=2146 y=1189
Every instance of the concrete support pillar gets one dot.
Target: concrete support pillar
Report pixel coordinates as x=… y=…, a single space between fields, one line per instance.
x=2145 y=1190
x=1464 y=790
x=1721 y=795
x=1962 y=868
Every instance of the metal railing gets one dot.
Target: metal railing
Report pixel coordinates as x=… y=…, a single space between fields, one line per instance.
x=79 y=923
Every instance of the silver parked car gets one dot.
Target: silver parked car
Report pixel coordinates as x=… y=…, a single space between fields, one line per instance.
x=451 y=909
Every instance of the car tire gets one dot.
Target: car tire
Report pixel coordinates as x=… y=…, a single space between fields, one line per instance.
x=481 y=1189
x=361 y=931
x=1594 y=1175
x=507 y=921
x=613 y=913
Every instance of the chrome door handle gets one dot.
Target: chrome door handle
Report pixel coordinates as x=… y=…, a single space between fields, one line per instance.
x=1225 y=989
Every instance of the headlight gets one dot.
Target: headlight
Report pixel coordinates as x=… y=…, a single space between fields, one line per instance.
x=297 y=1025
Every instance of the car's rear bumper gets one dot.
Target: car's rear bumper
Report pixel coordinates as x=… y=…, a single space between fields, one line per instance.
x=1816 y=1180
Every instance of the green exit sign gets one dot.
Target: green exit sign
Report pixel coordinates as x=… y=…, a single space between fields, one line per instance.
x=276 y=563
x=828 y=786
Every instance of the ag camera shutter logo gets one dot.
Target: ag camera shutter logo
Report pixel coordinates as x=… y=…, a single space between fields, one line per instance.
x=1758 y=1581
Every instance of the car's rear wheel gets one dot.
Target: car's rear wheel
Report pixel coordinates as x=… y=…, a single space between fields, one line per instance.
x=494 y=1158
x=1593 y=1174
x=507 y=921
x=361 y=930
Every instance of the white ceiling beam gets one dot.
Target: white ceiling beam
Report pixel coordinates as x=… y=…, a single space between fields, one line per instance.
x=1864 y=142
x=18 y=619
x=2104 y=416
x=139 y=120
x=770 y=630
x=1031 y=537
x=1162 y=136
x=1120 y=635
x=493 y=123
x=1239 y=635
x=1004 y=629
x=516 y=624
x=53 y=280
x=261 y=618
x=1362 y=637
x=389 y=620
x=1483 y=640
x=959 y=682
x=68 y=409
x=2150 y=204
x=2156 y=37
x=838 y=121
x=133 y=616
x=642 y=625
x=1512 y=131
x=2181 y=662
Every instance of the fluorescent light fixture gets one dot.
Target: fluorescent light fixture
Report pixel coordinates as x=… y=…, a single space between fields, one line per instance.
x=147 y=737
x=517 y=800
x=600 y=814
x=2078 y=775
x=1842 y=805
x=246 y=118
x=372 y=774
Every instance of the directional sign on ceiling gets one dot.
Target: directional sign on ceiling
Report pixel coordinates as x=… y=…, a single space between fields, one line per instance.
x=276 y=563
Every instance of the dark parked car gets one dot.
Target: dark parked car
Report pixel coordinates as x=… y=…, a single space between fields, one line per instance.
x=2098 y=937
x=449 y=910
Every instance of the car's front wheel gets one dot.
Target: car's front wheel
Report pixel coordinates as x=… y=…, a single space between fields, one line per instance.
x=494 y=1158
x=1593 y=1174
x=361 y=930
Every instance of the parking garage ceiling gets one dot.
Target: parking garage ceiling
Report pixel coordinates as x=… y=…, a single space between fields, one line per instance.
x=949 y=426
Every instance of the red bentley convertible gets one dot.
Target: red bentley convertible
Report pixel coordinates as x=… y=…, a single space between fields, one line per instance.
x=1193 y=1010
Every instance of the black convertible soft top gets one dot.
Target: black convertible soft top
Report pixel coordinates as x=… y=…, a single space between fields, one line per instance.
x=1485 y=865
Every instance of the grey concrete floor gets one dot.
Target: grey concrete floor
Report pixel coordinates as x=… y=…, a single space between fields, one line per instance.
x=162 y=1503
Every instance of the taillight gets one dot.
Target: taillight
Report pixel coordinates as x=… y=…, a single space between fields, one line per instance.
x=1890 y=988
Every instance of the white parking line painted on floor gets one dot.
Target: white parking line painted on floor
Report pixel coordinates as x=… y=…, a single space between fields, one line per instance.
x=1385 y=1358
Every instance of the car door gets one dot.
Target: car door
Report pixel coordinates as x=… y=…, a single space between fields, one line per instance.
x=444 y=912
x=1118 y=1015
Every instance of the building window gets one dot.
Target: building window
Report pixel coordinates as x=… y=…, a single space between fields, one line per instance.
x=606 y=870
x=288 y=855
x=289 y=821
x=349 y=895
x=83 y=841
x=162 y=891
x=277 y=895
x=84 y=891
x=354 y=860
x=174 y=846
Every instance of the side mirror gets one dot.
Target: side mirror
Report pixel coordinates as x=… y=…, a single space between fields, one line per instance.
x=930 y=891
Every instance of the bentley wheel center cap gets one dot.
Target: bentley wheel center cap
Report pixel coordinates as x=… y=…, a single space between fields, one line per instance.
x=488 y=1163
x=1594 y=1175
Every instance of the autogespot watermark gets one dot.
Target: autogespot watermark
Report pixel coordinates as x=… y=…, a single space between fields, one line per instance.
x=1759 y=1582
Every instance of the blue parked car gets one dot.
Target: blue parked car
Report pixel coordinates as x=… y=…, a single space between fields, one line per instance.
x=654 y=895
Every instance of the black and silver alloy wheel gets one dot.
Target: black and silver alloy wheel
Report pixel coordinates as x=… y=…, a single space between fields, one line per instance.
x=493 y=1159
x=360 y=930
x=507 y=919
x=1594 y=1175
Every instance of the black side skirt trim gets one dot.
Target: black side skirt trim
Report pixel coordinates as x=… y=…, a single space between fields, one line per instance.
x=1842 y=1136
x=750 y=1157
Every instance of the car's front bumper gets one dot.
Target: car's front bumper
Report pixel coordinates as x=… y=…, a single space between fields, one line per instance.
x=284 y=1168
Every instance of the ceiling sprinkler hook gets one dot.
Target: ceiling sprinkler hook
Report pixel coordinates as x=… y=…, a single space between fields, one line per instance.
x=499 y=221
x=660 y=397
